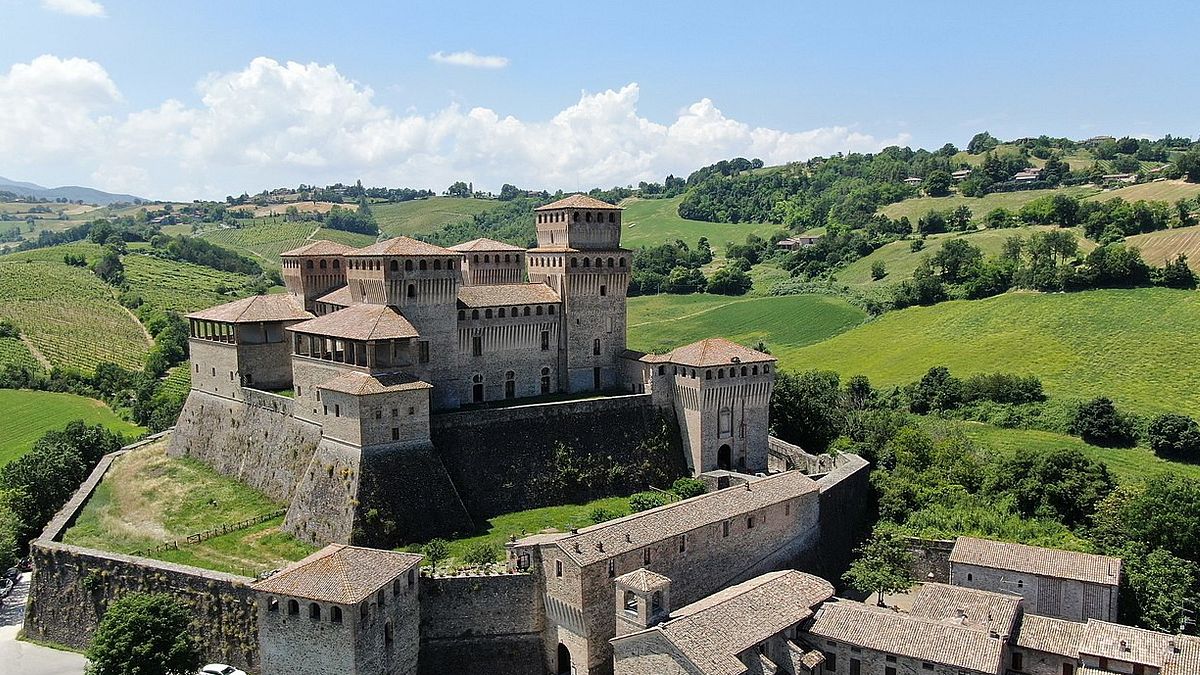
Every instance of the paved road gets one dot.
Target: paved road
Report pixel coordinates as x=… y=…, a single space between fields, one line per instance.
x=23 y=657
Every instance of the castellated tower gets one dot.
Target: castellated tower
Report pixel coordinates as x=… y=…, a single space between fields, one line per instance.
x=579 y=255
x=314 y=269
x=421 y=281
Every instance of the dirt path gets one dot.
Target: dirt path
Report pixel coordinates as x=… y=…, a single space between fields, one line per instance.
x=37 y=354
x=146 y=333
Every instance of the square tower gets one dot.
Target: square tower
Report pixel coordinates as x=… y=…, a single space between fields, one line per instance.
x=579 y=255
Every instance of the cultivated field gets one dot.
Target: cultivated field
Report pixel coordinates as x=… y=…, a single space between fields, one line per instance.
x=916 y=207
x=1125 y=344
x=148 y=498
x=900 y=260
x=178 y=380
x=15 y=352
x=180 y=286
x=263 y=239
x=1159 y=190
x=1165 y=245
x=650 y=222
x=422 y=216
x=280 y=209
x=29 y=414
x=69 y=315
x=659 y=323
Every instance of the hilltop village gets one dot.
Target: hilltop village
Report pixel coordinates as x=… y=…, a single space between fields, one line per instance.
x=388 y=377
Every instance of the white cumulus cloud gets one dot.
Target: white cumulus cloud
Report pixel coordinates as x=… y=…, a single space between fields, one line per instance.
x=469 y=59
x=272 y=124
x=75 y=7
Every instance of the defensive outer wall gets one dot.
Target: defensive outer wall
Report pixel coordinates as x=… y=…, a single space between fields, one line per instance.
x=486 y=623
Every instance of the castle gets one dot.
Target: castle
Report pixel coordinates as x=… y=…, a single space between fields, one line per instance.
x=368 y=345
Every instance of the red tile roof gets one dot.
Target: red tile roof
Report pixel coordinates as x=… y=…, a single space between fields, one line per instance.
x=339 y=573
x=403 y=246
x=716 y=352
x=484 y=244
x=579 y=201
x=256 y=308
x=1048 y=562
x=503 y=295
x=359 y=383
x=360 y=322
x=319 y=247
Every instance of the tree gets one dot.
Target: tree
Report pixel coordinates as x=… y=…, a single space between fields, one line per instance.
x=688 y=487
x=509 y=192
x=1174 y=436
x=1100 y=423
x=1061 y=484
x=878 y=270
x=982 y=142
x=729 y=280
x=459 y=189
x=956 y=258
x=937 y=183
x=644 y=501
x=144 y=634
x=1157 y=588
x=1188 y=165
x=109 y=267
x=1176 y=274
x=481 y=554
x=998 y=218
x=937 y=390
x=806 y=408
x=883 y=565
x=435 y=551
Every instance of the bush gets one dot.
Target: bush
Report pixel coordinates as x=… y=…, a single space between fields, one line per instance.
x=435 y=551
x=144 y=634
x=9 y=329
x=481 y=554
x=1174 y=436
x=600 y=514
x=644 y=501
x=879 y=270
x=1100 y=423
x=689 y=487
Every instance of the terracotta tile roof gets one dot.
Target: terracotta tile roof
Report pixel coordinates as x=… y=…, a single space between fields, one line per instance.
x=319 y=247
x=915 y=637
x=1185 y=661
x=716 y=352
x=1050 y=635
x=1125 y=643
x=338 y=573
x=577 y=201
x=553 y=249
x=402 y=246
x=713 y=631
x=1049 y=562
x=484 y=244
x=969 y=607
x=360 y=322
x=643 y=580
x=360 y=383
x=339 y=296
x=635 y=531
x=503 y=295
x=275 y=307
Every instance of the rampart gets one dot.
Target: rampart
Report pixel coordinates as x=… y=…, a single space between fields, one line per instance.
x=481 y=623
x=847 y=510
x=72 y=587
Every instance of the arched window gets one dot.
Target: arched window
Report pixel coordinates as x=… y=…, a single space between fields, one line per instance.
x=308 y=264
x=437 y=264
x=487 y=313
x=708 y=374
x=474 y=314
x=599 y=262
x=612 y=218
x=574 y=262
x=603 y=290
x=754 y=370
x=314 y=611
x=610 y=262
x=408 y=266
x=620 y=262
x=550 y=309
x=394 y=266
x=720 y=373
x=515 y=311
x=500 y=312
x=337 y=264
x=506 y=257
x=588 y=216
x=412 y=290
x=322 y=263
x=525 y=312
x=596 y=347
x=630 y=602
x=539 y=310
x=475 y=258
x=587 y=262
x=577 y=216
x=423 y=265
x=272 y=604
x=293 y=607
x=487 y=258
x=335 y=614
x=743 y=371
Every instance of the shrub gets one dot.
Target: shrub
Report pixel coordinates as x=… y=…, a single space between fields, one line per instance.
x=1100 y=423
x=435 y=551
x=644 y=501
x=144 y=634
x=481 y=554
x=9 y=329
x=1175 y=436
x=878 y=270
x=689 y=487
x=600 y=514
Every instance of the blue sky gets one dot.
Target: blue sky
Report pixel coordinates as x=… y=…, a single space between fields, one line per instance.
x=199 y=99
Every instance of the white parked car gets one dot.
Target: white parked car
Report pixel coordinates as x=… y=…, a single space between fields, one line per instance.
x=220 y=669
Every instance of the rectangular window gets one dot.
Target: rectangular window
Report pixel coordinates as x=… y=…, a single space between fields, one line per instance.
x=395 y=433
x=337 y=410
x=378 y=414
x=891 y=658
x=889 y=670
x=682 y=543
x=830 y=662
x=927 y=666
x=855 y=667
x=646 y=556
x=750 y=523
x=558 y=568
x=476 y=346
x=423 y=352
x=412 y=410
x=1018 y=661
x=612 y=568
x=595 y=348
x=545 y=340
x=725 y=529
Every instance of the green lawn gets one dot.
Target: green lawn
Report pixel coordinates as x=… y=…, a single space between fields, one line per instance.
x=900 y=260
x=650 y=222
x=1135 y=346
x=422 y=216
x=533 y=521
x=29 y=414
x=148 y=498
x=658 y=323
x=1128 y=464
x=916 y=207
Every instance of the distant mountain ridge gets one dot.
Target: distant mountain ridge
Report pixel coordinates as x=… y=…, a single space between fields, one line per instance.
x=68 y=192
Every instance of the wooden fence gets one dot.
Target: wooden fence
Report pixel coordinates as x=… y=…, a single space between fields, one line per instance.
x=210 y=533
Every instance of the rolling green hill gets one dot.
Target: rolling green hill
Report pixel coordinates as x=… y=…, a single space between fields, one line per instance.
x=658 y=323
x=916 y=207
x=29 y=414
x=1163 y=246
x=1134 y=346
x=649 y=222
x=1159 y=190
x=422 y=216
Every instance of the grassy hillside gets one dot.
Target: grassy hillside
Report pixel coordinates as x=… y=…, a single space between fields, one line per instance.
x=649 y=222
x=69 y=315
x=29 y=414
x=1159 y=190
x=900 y=260
x=661 y=322
x=916 y=207
x=1164 y=245
x=263 y=239
x=1126 y=344
x=422 y=216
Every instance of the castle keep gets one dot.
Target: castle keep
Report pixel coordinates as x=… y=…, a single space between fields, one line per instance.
x=328 y=395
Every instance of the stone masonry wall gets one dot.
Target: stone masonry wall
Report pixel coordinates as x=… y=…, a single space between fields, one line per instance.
x=258 y=442
x=481 y=624
x=931 y=559
x=847 y=507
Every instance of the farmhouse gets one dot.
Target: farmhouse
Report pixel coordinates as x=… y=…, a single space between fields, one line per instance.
x=797 y=242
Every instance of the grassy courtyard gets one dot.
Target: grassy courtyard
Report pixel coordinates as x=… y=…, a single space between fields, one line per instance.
x=148 y=498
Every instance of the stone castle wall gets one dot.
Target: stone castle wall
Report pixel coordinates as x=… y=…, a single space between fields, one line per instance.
x=931 y=559
x=481 y=624
x=847 y=510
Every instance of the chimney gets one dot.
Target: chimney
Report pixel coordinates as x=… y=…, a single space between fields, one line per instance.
x=600 y=546
x=578 y=549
